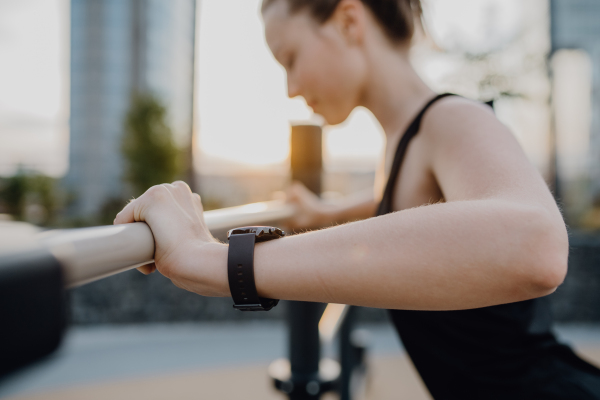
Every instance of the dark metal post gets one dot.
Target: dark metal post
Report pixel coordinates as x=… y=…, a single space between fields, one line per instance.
x=304 y=376
x=303 y=318
x=304 y=349
x=347 y=356
x=352 y=358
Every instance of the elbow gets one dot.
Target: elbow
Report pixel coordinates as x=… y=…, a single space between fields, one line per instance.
x=549 y=277
x=547 y=255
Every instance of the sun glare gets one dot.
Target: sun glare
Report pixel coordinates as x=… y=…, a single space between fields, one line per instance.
x=244 y=113
x=244 y=110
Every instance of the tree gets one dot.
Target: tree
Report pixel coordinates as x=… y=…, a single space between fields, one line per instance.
x=151 y=157
x=13 y=195
x=30 y=196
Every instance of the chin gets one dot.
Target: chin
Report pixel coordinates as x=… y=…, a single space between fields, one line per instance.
x=335 y=118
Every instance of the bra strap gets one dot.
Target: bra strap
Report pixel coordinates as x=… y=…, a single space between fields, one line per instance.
x=386 y=202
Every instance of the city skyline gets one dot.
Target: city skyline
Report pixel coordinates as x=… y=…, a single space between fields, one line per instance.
x=121 y=49
x=242 y=108
x=35 y=133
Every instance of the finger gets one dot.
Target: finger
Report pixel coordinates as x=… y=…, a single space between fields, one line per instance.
x=197 y=204
x=184 y=196
x=181 y=185
x=127 y=214
x=147 y=269
x=279 y=195
x=135 y=210
x=291 y=194
x=298 y=186
x=197 y=201
x=302 y=190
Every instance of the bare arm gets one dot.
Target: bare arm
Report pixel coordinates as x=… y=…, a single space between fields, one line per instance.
x=499 y=237
x=445 y=256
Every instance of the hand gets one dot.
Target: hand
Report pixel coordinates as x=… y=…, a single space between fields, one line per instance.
x=312 y=212
x=185 y=251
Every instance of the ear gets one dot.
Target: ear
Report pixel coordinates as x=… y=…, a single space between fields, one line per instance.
x=349 y=18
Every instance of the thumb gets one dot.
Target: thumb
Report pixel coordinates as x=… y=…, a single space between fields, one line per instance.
x=126 y=215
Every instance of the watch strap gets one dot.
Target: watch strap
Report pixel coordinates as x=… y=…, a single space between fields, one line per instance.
x=240 y=269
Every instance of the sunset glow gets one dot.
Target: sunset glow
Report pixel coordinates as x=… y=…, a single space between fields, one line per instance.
x=244 y=110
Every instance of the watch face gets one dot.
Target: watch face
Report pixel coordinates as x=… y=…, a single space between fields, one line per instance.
x=263 y=233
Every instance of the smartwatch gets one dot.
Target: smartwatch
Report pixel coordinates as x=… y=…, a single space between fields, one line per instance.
x=240 y=266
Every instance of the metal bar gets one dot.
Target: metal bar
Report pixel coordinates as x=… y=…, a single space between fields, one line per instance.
x=90 y=254
x=331 y=321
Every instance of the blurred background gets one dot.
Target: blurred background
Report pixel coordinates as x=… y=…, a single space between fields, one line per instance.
x=100 y=99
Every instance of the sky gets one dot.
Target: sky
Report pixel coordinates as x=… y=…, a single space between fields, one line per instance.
x=33 y=85
x=244 y=112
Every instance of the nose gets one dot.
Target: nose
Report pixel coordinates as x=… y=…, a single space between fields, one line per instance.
x=292 y=87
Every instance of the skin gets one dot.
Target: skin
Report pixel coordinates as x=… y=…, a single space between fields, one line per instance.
x=475 y=224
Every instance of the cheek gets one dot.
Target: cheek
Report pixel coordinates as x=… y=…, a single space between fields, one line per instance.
x=334 y=81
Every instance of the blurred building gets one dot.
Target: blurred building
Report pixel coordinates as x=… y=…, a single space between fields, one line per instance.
x=575 y=65
x=119 y=47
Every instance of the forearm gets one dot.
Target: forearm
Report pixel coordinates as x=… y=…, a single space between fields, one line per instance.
x=453 y=255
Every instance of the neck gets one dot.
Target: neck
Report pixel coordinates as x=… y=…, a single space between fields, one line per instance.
x=394 y=93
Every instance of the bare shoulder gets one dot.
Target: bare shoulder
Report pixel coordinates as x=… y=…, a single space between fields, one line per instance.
x=455 y=114
x=456 y=122
x=473 y=155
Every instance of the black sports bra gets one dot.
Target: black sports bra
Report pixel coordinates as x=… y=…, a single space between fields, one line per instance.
x=500 y=352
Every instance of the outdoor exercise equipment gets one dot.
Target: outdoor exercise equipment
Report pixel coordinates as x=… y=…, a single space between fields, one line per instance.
x=37 y=269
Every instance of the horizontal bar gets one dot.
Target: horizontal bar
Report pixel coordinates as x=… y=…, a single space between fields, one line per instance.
x=89 y=254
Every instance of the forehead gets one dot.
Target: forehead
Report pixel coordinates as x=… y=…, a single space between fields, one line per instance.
x=281 y=27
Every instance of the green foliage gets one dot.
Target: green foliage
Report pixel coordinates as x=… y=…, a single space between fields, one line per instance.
x=12 y=195
x=29 y=197
x=151 y=156
x=110 y=208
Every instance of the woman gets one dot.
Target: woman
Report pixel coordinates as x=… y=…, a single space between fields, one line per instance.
x=467 y=240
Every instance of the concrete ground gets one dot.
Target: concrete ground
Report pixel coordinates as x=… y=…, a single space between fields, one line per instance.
x=209 y=361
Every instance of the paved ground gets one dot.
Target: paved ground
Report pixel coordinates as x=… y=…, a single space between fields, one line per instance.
x=207 y=361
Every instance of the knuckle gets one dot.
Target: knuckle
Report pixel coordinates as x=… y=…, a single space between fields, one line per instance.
x=157 y=192
x=181 y=185
x=152 y=191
